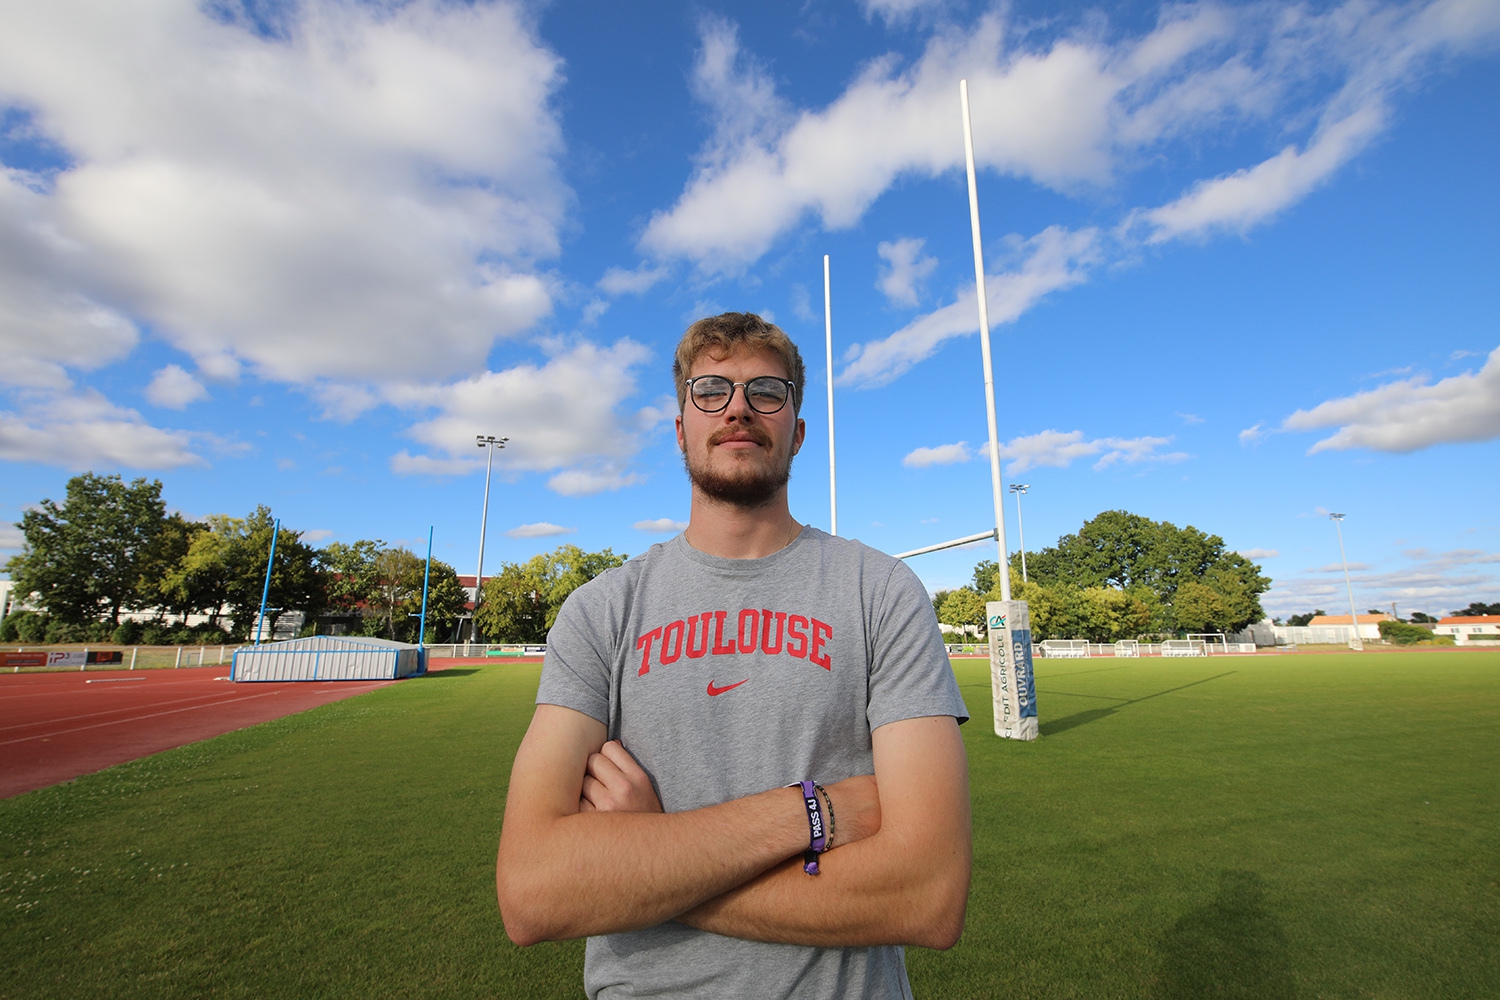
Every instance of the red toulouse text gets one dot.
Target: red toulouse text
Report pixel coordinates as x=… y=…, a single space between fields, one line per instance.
x=770 y=632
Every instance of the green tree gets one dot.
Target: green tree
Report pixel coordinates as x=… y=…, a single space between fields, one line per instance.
x=963 y=609
x=83 y=558
x=1298 y=621
x=350 y=573
x=397 y=592
x=162 y=582
x=446 y=600
x=1151 y=561
x=1199 y=608
x=226 y=566
x=521 y=602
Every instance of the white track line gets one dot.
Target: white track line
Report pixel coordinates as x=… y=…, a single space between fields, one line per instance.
x=136 y=718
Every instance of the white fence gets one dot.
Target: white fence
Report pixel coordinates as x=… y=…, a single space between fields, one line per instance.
x=497 y=650
x=1074 y=649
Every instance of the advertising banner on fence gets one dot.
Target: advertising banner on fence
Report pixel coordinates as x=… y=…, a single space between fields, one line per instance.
x=58 y=658
x=1011 y=682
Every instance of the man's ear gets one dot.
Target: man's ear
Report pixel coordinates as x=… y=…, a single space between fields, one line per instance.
x=681 y=441
x=801 y=434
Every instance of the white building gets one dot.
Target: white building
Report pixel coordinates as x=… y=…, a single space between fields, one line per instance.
x=1369 y=625
x=1470 y=628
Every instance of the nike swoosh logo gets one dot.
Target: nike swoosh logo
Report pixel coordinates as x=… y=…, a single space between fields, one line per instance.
x=720 y=690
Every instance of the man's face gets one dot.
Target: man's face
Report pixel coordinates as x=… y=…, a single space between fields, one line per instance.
x=739 y=456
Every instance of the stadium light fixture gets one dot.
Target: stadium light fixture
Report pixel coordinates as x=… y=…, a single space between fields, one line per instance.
x=1338 y=525
x=1019 y=489
x=489 y=442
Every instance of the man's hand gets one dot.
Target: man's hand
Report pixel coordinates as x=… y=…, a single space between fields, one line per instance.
x=614 y=782
x=601 y=859
x=905 y=883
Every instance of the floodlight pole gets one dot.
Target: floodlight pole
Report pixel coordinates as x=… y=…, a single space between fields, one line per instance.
x=265 y=591
x=1018 y=489
x=833 y=487
x=1338 y=525
x=490 y=442
x=984 y=343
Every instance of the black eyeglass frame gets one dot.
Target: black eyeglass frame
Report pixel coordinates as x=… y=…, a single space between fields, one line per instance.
x=791 y=391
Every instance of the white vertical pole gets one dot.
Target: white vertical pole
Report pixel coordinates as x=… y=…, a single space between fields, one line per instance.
x=178 y=662
x=133 y=651
x=1338 y=524
x=984 y=343
x=833 y=488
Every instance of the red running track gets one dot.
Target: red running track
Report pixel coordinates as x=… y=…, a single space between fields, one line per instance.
x=57 y=726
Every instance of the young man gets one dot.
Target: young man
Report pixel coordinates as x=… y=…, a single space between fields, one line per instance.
x=684 y=691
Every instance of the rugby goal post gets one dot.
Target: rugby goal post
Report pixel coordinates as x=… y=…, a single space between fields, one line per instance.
x=1012 y=681
x=1211 y=640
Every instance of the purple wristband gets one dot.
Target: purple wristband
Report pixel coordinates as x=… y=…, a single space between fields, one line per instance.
x=817 y=828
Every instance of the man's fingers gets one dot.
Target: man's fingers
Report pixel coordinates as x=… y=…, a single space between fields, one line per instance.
x=615 y=751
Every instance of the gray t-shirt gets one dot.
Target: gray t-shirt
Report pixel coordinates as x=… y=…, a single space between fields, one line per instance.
x=727 y=677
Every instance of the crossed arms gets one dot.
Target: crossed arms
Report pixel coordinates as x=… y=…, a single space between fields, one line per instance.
x=585 y=848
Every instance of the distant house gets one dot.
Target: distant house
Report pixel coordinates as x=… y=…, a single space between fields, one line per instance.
x=1369 y=625
x=1469 y=628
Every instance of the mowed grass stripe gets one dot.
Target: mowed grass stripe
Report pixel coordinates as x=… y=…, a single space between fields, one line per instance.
x=1291 y=826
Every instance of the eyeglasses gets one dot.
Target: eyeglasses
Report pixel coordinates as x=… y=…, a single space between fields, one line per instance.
x=765 y=394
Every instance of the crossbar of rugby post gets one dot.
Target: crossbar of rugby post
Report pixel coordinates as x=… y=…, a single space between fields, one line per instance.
x=967 y=539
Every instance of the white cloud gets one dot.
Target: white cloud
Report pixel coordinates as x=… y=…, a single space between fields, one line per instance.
x=1410 y=415
x=1425 y=581
x=84 y=430
x=1190 y=418
x=11 y=538
x=542 y=529
x=1053 y=259
x=904 y=270
x=562 y=416
x=660 y=526
x=364 y=198
x=1250 y=196
x=1054 y=449
x=1070 y=114
x=317 y=534
x=618 y=281
x=943 y=454
x=173 y=388
x=1059 y=450
x=896 y=11
x=587 y=482
x=1251 y=435
x=404 y=464
x=1259 y=553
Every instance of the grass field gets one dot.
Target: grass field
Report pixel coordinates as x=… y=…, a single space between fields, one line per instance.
x=1268 y=827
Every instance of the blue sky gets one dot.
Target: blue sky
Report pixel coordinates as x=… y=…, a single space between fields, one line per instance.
x=1241 y=267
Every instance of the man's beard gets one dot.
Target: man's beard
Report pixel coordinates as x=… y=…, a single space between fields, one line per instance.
x=745 y=486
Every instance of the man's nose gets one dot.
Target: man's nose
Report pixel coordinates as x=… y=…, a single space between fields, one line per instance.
x=739 y=403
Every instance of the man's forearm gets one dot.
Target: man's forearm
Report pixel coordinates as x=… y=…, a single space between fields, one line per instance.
x=566 y=874
x=907 y=884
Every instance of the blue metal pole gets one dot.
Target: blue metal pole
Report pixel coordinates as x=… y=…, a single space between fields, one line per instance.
x=422 y=626
x=265 y=591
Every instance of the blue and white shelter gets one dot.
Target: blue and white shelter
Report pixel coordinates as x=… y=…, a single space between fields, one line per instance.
x=326 y=658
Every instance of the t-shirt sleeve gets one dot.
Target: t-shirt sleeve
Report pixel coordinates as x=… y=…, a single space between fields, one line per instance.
x=910 y=676
x=576 y=669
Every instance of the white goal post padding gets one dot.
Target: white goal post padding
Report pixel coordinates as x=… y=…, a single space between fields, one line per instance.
x=1065 y=649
